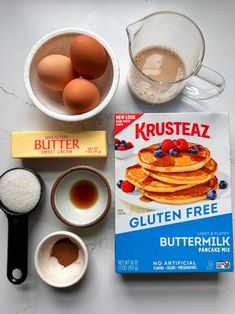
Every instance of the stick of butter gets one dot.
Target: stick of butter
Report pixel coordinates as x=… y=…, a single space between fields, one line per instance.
x=50 y=144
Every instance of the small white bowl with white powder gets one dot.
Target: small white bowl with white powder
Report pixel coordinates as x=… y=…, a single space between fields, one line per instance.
x=61 y=259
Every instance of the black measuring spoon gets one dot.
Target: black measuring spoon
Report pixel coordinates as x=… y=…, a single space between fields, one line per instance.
x=17 y=255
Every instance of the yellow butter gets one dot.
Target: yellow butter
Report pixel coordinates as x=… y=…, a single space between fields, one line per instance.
x=50 y=144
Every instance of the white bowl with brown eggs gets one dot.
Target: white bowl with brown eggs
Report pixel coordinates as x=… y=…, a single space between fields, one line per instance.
x=51 y=102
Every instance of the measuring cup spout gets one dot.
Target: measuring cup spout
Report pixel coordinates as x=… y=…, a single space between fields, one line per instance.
x=132 y=29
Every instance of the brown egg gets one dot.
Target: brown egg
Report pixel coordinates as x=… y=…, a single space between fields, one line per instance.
x=80 y=96
x=55 y=71
x=88 y=56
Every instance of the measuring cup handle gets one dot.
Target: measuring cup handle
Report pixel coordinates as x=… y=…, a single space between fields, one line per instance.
x=17 y=259
x=206 y=84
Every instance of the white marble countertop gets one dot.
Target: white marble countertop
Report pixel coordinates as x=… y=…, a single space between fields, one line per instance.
x=22 y=23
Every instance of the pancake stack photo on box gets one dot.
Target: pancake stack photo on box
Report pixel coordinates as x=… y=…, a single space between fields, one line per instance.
x=173 y=193
x=174 y=172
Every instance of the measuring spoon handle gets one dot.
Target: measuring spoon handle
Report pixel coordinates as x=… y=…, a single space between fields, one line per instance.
x=17 y=256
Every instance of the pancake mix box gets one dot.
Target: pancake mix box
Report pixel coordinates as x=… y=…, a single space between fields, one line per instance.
x=173 y=193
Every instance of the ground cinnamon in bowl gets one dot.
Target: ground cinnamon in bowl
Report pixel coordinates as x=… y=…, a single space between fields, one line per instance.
x=65 y=251
x=61 y=259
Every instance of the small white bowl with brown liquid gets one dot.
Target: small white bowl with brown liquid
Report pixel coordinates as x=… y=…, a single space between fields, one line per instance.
x=81 y=196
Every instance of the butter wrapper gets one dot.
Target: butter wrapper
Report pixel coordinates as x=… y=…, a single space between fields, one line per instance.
x=52 y=144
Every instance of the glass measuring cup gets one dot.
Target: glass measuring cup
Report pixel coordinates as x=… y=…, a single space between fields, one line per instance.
x=17 y=253
x=180 y=34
